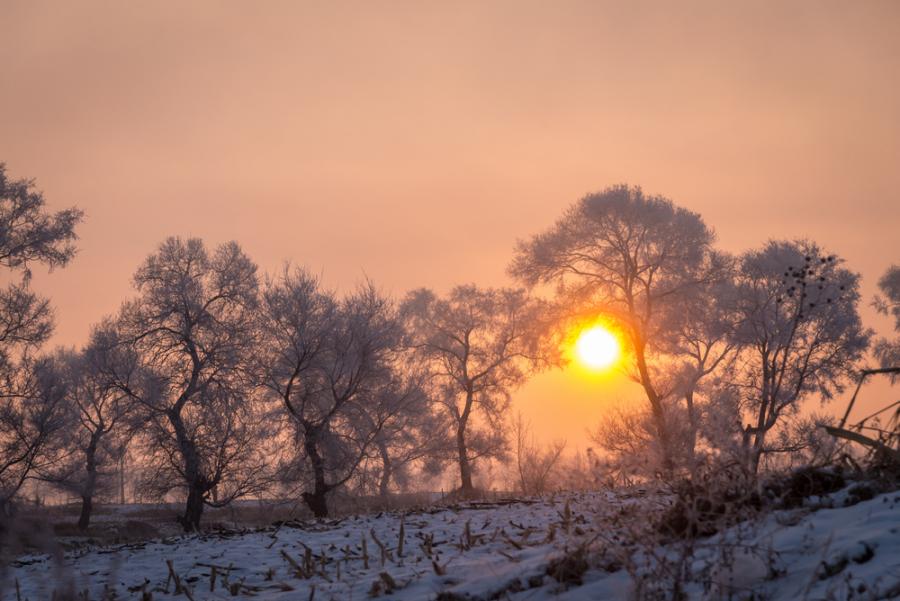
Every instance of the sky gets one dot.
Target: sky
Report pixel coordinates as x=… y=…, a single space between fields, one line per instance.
x=414 y=142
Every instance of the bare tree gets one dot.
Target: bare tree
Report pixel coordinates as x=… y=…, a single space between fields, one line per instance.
x=412 y=433
x=29 y=394
x=479 y=344
x=628 y=257
x=30 y=421
x=191 y=331
x=800 y=332
x=331 y=364
x=98 y=425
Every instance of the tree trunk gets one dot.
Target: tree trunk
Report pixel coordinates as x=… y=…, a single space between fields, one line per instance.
x=87 y=505
x=197 y=485
x=755 y=449
x=386 y=471
x=465 y=469
x=692 y=434
x=193 y=509
x=755 y=459
x=462 y=419
x=316 y=500
x=122 y=479
x=87 y=494
x=7 y=509
x=656 y=407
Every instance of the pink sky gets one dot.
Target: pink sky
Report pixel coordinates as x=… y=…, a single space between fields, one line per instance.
x=415 y=142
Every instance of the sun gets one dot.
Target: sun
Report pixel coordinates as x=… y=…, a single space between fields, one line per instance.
x=597 y=347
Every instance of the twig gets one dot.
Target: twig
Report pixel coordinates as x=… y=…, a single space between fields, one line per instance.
x=385 y=553
x=297 y=568
x=174 y=577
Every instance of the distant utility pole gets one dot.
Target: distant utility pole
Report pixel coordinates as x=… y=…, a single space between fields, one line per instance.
x=122 y=479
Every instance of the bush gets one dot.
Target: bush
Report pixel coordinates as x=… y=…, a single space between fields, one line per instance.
x=716 y=499
x=809 y=482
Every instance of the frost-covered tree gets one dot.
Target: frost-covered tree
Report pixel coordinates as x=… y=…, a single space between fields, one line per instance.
x=478 y=345
x=31 y=419
x=191 y=330
x=888 y=303
x=29 y=235
x=799 y=330
x=631 y=258
x=692 y=364
x=701 y=349
x=332 y=365
x=98 y=424
x=412 y=435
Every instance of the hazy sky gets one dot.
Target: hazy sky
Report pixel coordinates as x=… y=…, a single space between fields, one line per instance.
x=414 y=142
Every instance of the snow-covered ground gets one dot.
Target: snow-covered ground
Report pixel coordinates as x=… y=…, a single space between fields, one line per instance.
x=496 y=551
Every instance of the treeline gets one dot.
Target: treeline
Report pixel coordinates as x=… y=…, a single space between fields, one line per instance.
x=230 y=384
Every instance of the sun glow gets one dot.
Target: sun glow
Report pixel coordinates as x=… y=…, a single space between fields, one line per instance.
x=597 y=347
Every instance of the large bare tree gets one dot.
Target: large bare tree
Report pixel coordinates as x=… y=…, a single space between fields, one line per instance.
x=332 y=365
x=192 y=332
x=628 y=257
x=479 y=345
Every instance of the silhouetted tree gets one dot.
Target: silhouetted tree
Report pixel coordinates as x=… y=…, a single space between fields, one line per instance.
x=31 y=419
x=631 y=258
x=29 y=395
x=192 y=333
x=97 y=426
x=412 y=434
x=332 y=365
x=478 y=344
x=800 y=333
